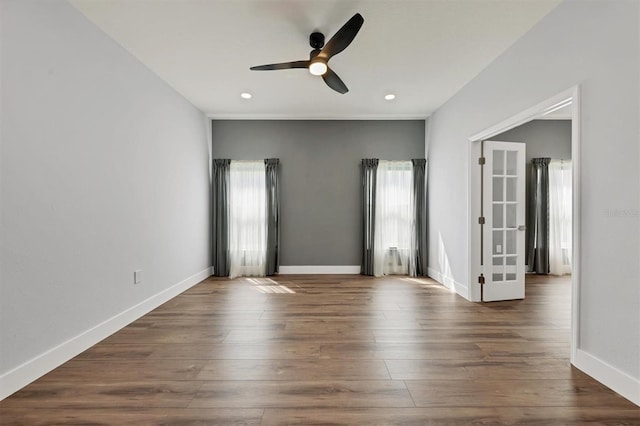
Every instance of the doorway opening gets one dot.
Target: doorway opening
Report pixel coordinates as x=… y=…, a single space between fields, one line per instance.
x=565 y=105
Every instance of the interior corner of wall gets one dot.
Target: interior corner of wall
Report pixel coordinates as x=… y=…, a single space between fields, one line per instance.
x=209 y=132
x=449 y=282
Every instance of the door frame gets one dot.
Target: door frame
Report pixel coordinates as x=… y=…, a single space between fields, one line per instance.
x=473 y=203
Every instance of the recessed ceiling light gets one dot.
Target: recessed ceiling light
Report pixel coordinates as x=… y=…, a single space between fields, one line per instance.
x=390 y=97
x=245 y=95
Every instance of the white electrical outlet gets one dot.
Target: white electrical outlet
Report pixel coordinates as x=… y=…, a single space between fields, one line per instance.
x=137 y=277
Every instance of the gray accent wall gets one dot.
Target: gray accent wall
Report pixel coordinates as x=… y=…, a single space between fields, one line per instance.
x=320 y=176
x=544 y=138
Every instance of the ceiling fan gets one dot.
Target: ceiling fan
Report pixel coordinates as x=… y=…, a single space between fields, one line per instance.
x=318 y=63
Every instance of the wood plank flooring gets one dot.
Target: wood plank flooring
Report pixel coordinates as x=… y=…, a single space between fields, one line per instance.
x=330 y=349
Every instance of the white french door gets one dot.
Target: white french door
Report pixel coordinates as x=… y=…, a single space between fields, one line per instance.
x=503 y=198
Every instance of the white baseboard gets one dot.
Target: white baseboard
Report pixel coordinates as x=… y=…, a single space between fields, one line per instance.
x=616 y=380
x=320 y=269
x=448 y=282
x=31 y=370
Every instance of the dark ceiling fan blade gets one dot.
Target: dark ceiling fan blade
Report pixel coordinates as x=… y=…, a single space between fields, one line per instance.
x=343 y=37
x=281 y=66
x=333 y=81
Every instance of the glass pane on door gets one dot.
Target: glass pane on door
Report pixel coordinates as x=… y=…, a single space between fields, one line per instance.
x=511 y=216
x=498 y=220
x=498 y=162
x=511 y=188
x=498 y=245
x=498 y=189
x=512 y=163
x=511 y=242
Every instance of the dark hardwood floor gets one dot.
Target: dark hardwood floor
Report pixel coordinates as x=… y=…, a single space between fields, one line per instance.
x=330 y=349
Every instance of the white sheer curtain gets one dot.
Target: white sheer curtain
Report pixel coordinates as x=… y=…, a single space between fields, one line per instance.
x=393 y=218
x=560 y=217
x=247 y=219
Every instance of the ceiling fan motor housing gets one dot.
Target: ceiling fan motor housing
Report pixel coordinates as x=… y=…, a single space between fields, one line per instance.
x=316 y=40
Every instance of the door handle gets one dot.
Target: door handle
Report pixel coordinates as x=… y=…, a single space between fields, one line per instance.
x=522 y=228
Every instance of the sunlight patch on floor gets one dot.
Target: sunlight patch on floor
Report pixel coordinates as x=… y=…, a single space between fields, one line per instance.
x=427 y=283
x=269 y=286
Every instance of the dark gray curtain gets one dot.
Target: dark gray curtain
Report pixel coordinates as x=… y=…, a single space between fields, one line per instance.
x=368 y=172
x=273 y=215
x=220 y=217
x=538 y=226
x=420 y=255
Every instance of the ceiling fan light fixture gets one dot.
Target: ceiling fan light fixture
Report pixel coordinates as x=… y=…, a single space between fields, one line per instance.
x=318 y=68
x=389 y=97
x=245 y=95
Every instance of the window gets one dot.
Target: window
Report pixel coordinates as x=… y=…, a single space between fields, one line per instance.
x=560 y=217
x=393 y=217
x=247 y=219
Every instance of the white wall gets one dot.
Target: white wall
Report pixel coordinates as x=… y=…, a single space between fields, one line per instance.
x=594 y=44
x=104 y=170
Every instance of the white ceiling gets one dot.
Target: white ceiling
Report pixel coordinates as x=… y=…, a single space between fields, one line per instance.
x=423 y=51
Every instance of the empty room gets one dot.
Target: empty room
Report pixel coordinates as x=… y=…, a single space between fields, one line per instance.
x=277 y=212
